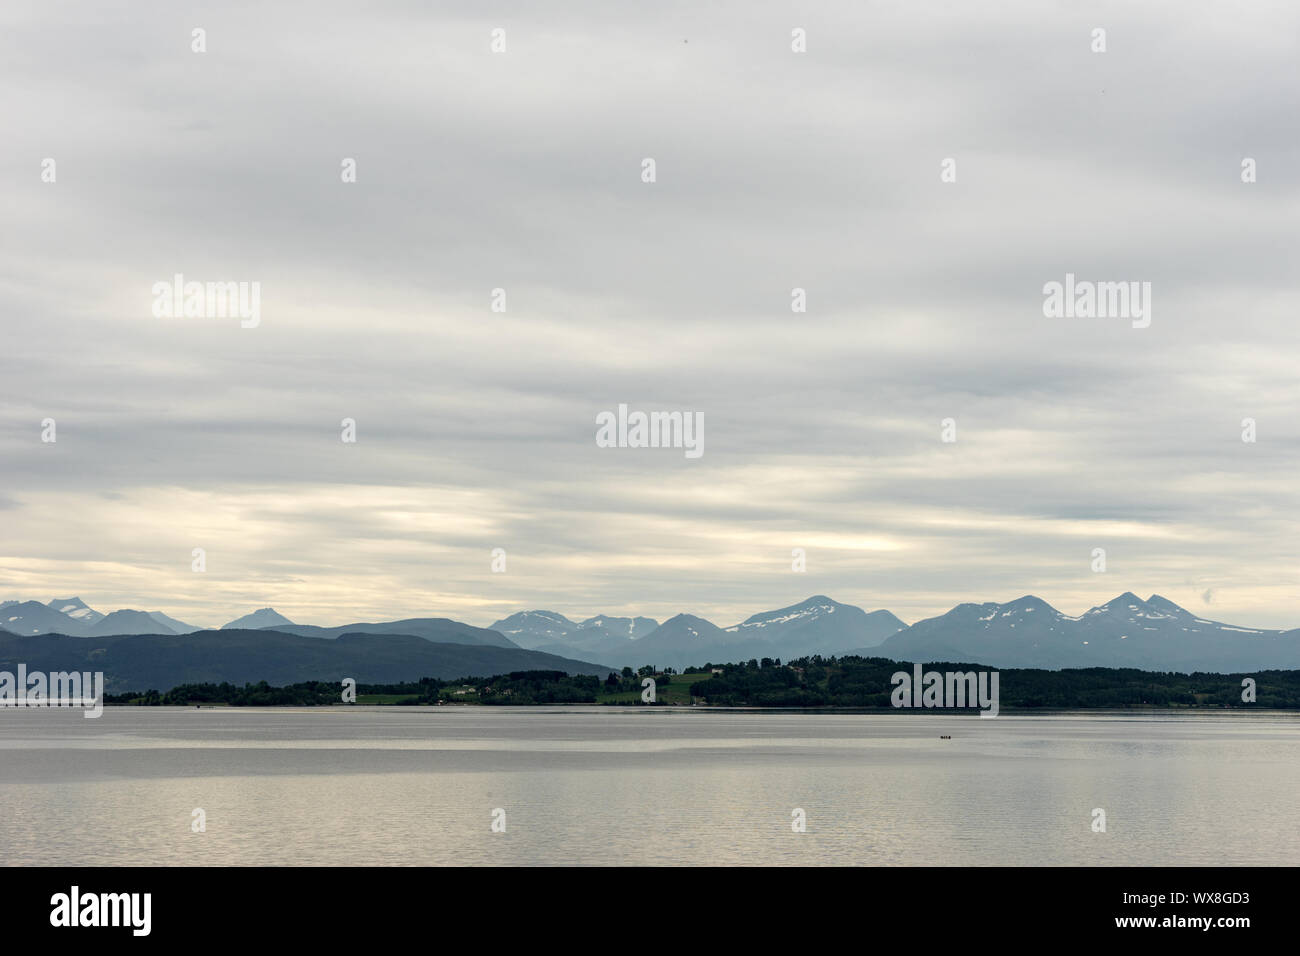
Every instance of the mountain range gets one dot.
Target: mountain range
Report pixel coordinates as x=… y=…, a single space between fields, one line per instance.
x=817 y=625
x=1126 y=631
x=556 y=634
x=1151 y=634
x=72 y=616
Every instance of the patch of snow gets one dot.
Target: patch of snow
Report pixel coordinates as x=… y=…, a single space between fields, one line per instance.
x=807 y=612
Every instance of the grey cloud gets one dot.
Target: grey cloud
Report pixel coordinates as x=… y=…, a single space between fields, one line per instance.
x=775 y=171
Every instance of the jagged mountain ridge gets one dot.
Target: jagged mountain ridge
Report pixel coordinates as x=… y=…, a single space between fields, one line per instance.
x=1126 y=631
x=601 y=636
x=72 y=616
x=1151 y=634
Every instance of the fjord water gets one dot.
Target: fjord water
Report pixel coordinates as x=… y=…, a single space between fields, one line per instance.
x=418 y=786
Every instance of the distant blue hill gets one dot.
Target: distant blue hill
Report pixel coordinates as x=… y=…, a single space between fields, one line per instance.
x=161 y=661
x=440 y=629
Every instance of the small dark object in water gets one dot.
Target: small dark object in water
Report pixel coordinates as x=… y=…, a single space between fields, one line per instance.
x=945 y=736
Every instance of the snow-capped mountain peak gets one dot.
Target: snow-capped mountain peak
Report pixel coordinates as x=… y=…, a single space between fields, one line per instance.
x=75 y=608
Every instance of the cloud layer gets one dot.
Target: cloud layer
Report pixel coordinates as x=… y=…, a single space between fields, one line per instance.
x=522 y=170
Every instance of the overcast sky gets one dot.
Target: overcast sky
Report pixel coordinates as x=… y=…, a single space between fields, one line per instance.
x=522 y=170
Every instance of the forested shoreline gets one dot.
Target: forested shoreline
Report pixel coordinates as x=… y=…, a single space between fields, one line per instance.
x=812 y=682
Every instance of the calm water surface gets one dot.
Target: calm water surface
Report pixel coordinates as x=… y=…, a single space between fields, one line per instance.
x=417 y=786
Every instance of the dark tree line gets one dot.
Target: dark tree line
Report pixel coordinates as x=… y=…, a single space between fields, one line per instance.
x=859 y=682
x=866 y=683
x=517 y=687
